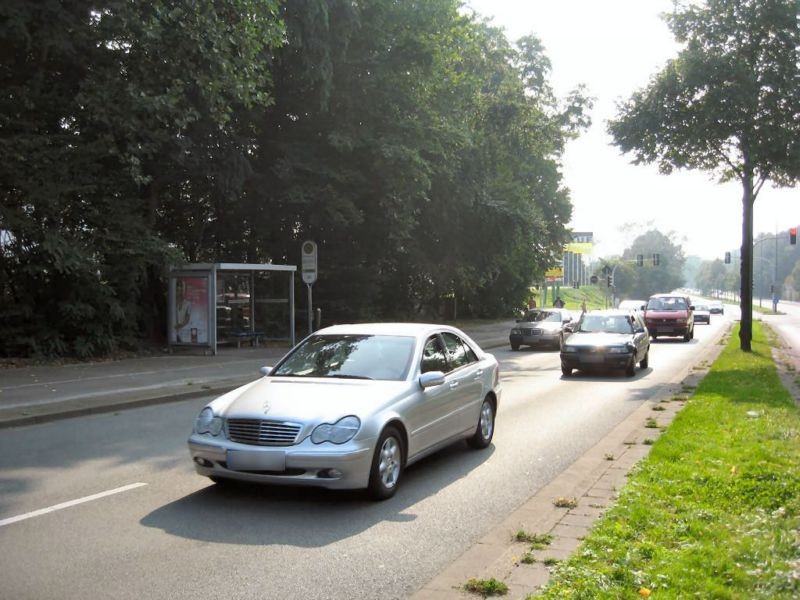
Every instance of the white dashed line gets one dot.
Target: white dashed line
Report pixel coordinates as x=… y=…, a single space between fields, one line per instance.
x=55 y=507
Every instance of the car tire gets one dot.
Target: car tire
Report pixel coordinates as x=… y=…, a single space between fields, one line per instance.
x=387 y=465
x=654 y=336
x=485 y=429
x=222 y=482
x=566 y=371
x=645 y=362
x=514 y=347
x=687 y=336
x=630 y=370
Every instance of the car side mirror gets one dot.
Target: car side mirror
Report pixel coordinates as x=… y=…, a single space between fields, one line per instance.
x=691 y=307
x=431 y=379
x=265 y=370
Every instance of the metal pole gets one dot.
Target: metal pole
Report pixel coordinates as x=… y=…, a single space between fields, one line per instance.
x=291 y=309
x=310 y=321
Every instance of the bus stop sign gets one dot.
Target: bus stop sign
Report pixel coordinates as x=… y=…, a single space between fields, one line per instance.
x=308 y=264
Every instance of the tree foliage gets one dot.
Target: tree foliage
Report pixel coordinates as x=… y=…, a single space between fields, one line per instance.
x=416 y=145
x=728 y=104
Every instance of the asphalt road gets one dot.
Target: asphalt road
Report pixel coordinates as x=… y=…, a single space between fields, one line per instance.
x=109 y=506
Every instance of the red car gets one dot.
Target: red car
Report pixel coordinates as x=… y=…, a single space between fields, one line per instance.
x=670 y=315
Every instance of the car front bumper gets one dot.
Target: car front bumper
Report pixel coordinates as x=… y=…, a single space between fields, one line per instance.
x=306 y=464
x=544 y=339
x=667 y=329
x=595 y=360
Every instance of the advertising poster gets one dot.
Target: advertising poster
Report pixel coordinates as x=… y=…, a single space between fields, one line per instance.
x=190 y=325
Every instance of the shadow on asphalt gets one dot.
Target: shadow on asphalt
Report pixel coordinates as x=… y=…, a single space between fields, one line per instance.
x=306 y=517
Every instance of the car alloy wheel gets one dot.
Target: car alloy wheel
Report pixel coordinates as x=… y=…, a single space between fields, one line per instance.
x=485 y=429
x=387 y=465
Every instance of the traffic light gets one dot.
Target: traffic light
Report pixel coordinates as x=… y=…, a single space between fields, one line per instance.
x=727 y=258
x=639 y=260
x=793 y=235
x=656 y=259
x=610 y=280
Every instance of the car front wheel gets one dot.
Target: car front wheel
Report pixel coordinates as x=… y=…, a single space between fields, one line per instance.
x=387 y=465
x=485 y=429
x=566 y=371
x=646 y=360
x=630 y=370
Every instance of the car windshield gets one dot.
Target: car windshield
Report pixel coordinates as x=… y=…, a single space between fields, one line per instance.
x=666 y=304
x=350 y=357
x=700 y=307
x=552 y=317
x=605 y=324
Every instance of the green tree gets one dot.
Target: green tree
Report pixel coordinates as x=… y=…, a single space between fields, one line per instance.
x=111 y=111
x=729 y=103
x=650 y=278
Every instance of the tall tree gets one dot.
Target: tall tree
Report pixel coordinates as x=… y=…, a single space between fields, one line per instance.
x=653 y=278
x=112 y=113
x=729 y=104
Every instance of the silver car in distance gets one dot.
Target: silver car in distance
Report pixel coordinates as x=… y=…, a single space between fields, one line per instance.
x=352 y=406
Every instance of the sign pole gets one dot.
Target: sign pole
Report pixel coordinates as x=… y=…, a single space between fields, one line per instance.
x=310 y=322
x=309 y=274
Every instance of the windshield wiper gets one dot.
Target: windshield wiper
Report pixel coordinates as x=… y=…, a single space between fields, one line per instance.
x=339 y=376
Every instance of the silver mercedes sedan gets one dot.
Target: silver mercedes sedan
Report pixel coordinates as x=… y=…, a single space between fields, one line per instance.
x=352 y=406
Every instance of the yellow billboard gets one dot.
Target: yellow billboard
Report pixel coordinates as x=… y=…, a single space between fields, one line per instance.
x=554 y=272
x=578 y=247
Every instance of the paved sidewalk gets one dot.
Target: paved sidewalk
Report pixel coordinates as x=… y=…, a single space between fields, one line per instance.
x=31 y=395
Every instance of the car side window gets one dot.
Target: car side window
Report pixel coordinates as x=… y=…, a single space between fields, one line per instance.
x=457 y=350
x=433 y=356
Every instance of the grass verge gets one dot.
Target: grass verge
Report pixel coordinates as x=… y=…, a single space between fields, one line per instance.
x=714 y=510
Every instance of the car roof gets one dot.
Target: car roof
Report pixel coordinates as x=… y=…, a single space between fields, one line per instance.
x=407 y=329
x=669 y=296
x=610 y=312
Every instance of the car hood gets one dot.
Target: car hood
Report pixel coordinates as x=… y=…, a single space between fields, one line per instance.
x=309 y=399
x=666 y=314
x=544 y=325
x=598 y=339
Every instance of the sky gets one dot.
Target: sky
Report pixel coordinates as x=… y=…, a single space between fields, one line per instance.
x=614 y=47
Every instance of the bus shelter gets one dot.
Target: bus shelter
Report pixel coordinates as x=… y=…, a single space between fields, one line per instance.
x=214 y=304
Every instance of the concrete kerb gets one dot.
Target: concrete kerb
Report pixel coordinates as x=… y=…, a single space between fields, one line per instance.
x=592 y=481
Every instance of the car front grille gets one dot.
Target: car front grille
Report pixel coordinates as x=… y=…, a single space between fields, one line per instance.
x=259 y=432
x=531 y=331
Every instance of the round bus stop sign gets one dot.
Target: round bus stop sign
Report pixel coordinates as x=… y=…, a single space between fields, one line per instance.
x=308 y=263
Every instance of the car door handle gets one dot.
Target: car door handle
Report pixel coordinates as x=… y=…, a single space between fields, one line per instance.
x=453 y=384
x=478 y=373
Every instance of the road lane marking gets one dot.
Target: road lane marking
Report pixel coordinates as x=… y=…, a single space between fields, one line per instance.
x=55 y=507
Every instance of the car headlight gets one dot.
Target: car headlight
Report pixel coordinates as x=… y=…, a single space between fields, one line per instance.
x=515 y=332
x=568 y=349
x=207 y=422
x=337 y=433
x=618 y=350
x=680 y=321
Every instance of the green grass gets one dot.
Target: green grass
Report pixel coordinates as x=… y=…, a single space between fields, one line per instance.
x=486 y=587
x=595 y=297
x=714 y=510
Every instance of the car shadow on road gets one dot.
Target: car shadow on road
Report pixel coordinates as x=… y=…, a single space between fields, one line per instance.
x=306 y=517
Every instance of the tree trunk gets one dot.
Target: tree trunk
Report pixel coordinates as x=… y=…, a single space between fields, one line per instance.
x=748 y=199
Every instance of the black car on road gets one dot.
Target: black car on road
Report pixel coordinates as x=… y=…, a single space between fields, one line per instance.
x=607 y=340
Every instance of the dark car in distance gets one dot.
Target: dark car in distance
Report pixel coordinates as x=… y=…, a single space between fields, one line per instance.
x=541 y=327
x=607 y=340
